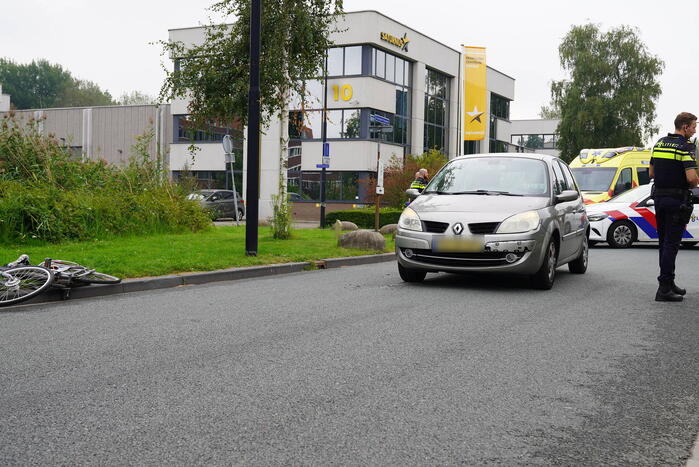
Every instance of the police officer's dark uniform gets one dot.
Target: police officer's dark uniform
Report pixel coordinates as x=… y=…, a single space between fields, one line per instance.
x=672 y=156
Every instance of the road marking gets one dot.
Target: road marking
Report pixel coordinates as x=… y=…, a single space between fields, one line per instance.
x=693 y=461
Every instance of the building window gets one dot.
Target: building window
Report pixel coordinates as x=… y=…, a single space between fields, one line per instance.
x=186 y=132
x=339 y=186
x=341 y=124
x=398 y=133
x=436 y=111
x=390 y=67
x=499 y=106
x=345 y=61
x=536 y=141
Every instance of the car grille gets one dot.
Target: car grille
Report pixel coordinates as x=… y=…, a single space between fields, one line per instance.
x=486 y=258
x=483 y=228
x=435 y=227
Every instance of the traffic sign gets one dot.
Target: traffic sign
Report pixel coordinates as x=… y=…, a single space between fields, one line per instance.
x=322 y=166
x=326 y=149
x=380 y=119
x=227 y=144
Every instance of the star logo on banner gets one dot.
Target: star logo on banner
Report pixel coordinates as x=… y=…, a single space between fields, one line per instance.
x=476 y=114
x=405 y=42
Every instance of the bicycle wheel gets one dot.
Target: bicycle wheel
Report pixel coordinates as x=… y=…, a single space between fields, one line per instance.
x=25 y=282
x=95 y=277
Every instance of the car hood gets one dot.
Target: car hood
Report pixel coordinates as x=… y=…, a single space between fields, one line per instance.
x=474 y=208
x=604 y=207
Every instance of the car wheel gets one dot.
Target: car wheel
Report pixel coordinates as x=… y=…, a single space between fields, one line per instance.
x=411 y=275
x=621 y=234
x=546 y=275
x=579 y=264
x=592 y=243
x=689 y=244
x=241 y=214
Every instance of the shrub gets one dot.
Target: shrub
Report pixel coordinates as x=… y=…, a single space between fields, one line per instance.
x=399 y=175
x=48 y=195
x=364 y=218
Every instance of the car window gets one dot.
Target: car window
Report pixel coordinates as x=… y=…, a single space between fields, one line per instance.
x=559 y=183
x=516 y=175
x=623 y=183
x=643 y=175
x=570 y=180
x=594 y=178
x=226 y=194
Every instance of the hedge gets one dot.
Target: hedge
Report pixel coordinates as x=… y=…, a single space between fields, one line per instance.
x=364 y=218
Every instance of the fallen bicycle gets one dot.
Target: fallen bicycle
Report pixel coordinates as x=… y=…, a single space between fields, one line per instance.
x=20 y=280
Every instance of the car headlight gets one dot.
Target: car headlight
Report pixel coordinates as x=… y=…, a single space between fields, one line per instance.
x=599 y=216
x=519 y=223
x=409 y=220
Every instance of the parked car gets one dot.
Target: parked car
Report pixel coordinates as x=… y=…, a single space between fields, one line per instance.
x=291 y=196
x=220 y=202
x=496 y=213
x=630 y=218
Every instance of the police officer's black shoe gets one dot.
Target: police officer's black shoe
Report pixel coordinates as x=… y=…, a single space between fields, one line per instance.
x=678 y=290
x=667 y=296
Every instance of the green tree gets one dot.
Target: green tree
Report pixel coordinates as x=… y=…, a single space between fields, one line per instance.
x=136 y=98
x=609 y=98
x=40 y=84
x=214 y=75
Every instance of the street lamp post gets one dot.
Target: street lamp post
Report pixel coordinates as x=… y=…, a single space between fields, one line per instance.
x=383 y=125
x=324 y=137
x=253 y=188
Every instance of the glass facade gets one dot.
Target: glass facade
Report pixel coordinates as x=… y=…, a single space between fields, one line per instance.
x=184 y=131
x=345 y=61
x=390 y=67
x=536 y=141
x=436 y=111
x=339 y=186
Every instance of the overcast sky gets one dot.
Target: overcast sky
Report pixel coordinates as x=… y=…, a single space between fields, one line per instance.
x=110 y=42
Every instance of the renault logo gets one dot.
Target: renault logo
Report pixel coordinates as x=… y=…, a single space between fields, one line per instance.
x=458 y=228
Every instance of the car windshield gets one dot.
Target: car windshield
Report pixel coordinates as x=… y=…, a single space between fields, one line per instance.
x=490 y=175
x=630 y=196
x=594 y=178
x=200 y=195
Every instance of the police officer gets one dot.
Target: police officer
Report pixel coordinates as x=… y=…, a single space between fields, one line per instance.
x=673 y=166
x=420 y=181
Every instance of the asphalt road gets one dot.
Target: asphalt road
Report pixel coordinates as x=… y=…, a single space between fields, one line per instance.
x=352 y=366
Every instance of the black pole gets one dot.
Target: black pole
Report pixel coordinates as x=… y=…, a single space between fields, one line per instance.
x=253 y=177
x=324 y=133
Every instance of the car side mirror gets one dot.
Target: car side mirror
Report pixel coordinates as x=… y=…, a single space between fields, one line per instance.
x=650 y=202
x=567 y=195
x=412 y=193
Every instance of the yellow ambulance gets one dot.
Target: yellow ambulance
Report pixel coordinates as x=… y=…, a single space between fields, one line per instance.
x=604 y=173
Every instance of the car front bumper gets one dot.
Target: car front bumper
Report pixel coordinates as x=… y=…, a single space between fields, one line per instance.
x=501 y=253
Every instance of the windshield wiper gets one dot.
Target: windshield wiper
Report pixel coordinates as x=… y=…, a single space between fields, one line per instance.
x=436 y=192
x=485 y=192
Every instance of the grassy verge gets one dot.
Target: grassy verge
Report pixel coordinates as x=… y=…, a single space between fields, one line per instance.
x=218 y=248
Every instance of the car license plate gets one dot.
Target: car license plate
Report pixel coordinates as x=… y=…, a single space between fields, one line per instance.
x=458 y=244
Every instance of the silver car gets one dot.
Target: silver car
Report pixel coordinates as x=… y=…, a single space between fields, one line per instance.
x=503 y=213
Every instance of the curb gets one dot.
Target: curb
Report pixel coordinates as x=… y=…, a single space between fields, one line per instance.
x=193 y=278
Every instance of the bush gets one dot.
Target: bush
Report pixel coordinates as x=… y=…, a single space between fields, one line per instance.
x=48 y=195
x=364 y=218
x=399 y=174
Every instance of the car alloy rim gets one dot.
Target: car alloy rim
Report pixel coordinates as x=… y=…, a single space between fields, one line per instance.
x=622 y=235
x=552 y=261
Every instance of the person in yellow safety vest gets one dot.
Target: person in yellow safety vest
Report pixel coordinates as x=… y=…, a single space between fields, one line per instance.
x=421 y=180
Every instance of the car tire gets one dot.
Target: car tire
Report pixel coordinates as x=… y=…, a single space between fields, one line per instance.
x=546 y=275
x=411 y=275
x=689 y=244
x=592 y=243
x=241 y=215
x=579 y=264
x=622 y=234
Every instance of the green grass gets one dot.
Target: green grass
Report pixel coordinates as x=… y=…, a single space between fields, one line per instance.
x=217 y=248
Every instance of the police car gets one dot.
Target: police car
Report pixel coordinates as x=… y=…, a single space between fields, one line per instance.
x=630 y=217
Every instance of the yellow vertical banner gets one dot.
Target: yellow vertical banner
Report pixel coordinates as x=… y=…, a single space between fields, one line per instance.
x=475 y=97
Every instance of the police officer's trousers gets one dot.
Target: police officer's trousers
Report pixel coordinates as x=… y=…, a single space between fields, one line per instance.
x=670 y=231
